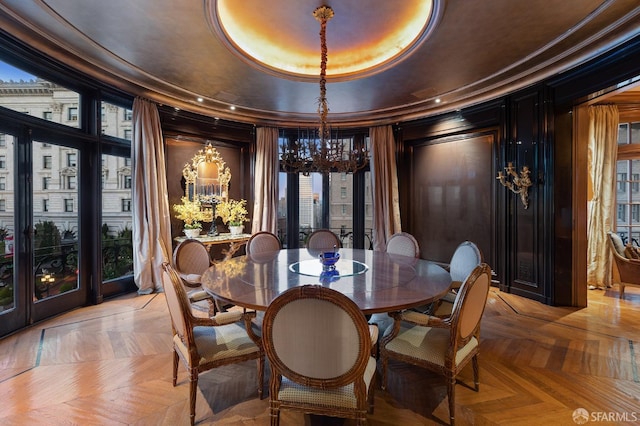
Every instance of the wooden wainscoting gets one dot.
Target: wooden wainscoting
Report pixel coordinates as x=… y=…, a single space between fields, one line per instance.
x=111 y=364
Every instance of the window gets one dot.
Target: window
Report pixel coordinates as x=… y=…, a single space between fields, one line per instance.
x=3 y=183
x=127 y=115
x=126 y=182
x=3 y=205
x=628 y=183
x=3 y=140
x=46 y=162
x=71 y=182
x=45 y=205
x=127 y=134
x=68 y=205
x=71 y=160
x=127 y=161
x=47 y=115
x=72 y=114
x=343 y=192
x=46 y=182
x=126 y=204
x=3 y=161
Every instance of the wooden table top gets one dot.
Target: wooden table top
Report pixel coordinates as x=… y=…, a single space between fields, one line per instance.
x=376 y=281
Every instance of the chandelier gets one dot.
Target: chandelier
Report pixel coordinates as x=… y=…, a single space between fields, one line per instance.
x=322 y=152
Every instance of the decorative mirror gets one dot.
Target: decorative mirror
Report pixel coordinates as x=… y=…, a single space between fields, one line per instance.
x=207 y=177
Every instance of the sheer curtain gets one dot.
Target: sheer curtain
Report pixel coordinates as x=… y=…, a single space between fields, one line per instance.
x=265 y=206
x=151 y=216
x=602 y=152
x=384 y=182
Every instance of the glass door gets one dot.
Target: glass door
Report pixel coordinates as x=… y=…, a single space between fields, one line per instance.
x=13 y=314
x=55 y=228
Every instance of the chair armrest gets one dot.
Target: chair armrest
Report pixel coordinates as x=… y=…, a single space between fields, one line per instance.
x=418 y=318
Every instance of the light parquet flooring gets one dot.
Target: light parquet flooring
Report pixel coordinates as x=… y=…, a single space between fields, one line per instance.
x=111 y=365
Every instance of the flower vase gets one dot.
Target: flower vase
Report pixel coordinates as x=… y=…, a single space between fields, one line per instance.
x=236 y=230
x=192 y=233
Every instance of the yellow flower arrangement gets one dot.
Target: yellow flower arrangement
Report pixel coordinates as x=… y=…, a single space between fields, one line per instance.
x=232 y=212
x=192 y=213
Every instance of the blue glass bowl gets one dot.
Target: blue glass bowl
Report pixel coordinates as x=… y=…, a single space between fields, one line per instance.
x=329 y=258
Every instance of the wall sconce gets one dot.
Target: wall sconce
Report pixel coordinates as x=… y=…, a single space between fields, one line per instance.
x=519 y=183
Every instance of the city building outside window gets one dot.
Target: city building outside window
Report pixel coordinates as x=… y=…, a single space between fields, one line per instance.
x=126 y=205
x=47 y=161
x=47 y=115
x=126 y=182
x=46 y=181
x=3 y=161
x=3 y=205
x=71 y=182
x=3 y=140
x=71 y=160
x=127 y=134
x=68 y=205
x=45 y=205
x=72 y=114
x=3 y=183
x=127 y=115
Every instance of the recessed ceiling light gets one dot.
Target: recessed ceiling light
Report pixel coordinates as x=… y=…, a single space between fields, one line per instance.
x=200 y=99
x=438 y=100
x=232 y=107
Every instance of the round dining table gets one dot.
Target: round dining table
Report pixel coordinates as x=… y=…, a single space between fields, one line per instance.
x=376 y=281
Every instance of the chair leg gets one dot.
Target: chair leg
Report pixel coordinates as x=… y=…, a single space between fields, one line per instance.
x=621 y=295
x=175 y=368
x=274 y=413
x=193 y=390
x=260 y=375
x=451 y=394
x=476 y=372
x=385 y=361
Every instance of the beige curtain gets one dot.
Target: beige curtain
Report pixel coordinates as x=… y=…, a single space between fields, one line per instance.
x=602 y=152
x=151 y=217
x=384 y=182
x=265 y=206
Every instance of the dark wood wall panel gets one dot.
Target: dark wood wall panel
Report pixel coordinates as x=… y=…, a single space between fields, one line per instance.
x=451 y=195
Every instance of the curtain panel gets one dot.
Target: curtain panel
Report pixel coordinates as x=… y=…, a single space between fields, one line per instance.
x=151 y=216
x=602 y=151
x=265 y=206
x=384 y=182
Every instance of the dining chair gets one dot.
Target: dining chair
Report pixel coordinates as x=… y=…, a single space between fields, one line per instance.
x=205 y=343
x=323 y=239
x=465 y=258
x=262 y=242
x=190 y=259
x=625 y=270
x=444 y=346
x=404 y=244
x=318 y=345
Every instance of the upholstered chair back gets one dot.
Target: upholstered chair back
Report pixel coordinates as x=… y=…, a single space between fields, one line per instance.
x=262 y=242
x=466 y=257
x=323 y=239
x=404 y=244
x=191 y=257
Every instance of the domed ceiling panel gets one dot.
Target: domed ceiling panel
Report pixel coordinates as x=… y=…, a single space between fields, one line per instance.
x=170 y=51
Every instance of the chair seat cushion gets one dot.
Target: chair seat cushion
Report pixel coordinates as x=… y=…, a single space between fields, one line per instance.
x=218 y=343
x=427 y=344
x=339 y=397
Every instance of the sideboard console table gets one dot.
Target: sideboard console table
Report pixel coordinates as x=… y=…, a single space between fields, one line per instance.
x=235 y=242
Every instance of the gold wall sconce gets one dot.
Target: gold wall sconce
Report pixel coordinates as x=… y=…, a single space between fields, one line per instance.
x=517 y=183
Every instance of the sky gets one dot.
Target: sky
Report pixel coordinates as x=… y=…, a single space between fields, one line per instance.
x=8 y=72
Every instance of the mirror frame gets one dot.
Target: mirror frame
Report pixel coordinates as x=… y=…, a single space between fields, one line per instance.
x=190 y=172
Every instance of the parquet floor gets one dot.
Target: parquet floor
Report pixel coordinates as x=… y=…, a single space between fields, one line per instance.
x=111 y=365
